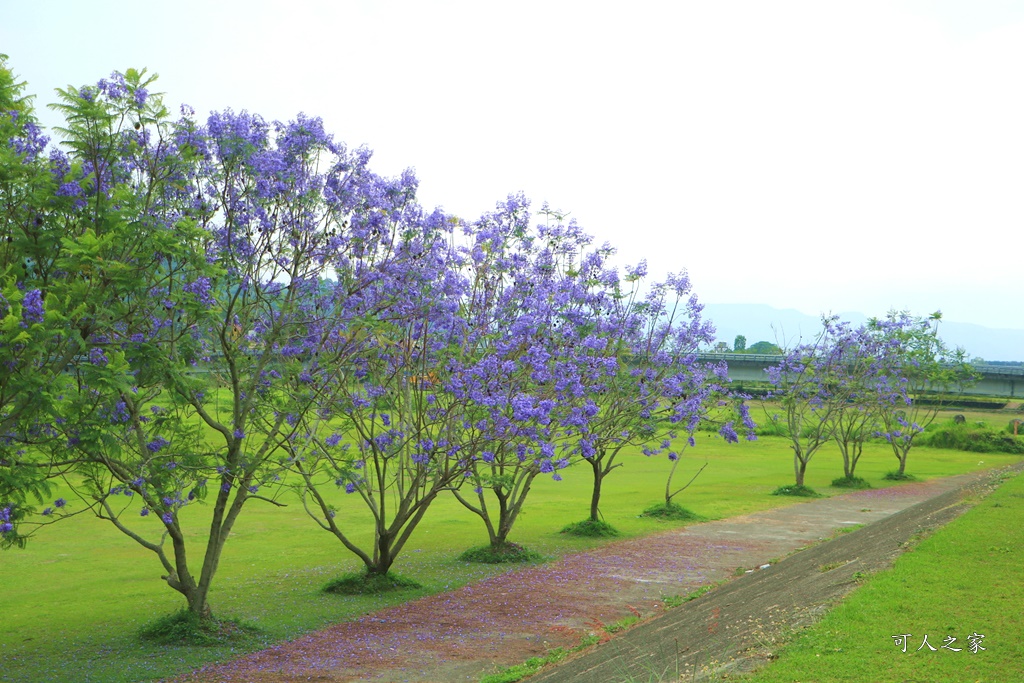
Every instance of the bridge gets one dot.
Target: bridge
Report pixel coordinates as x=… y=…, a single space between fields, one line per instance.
x=996 y=380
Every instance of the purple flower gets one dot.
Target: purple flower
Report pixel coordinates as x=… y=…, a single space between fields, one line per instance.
x=254 y=488
x=6 y=527
x=333 y=440
x=47 y=512
x=728 y=433
x=98 y=357
x=144 y=512
x=60 y=502
x=167 y=517
x=32 y=307
x=156 y=444
x=239 y=434
x=350 y=488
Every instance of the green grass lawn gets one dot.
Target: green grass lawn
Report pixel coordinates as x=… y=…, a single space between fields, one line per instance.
x=963 y=580
x=73 y=601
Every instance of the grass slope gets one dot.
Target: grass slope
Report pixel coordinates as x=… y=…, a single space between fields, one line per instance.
x=965 y=579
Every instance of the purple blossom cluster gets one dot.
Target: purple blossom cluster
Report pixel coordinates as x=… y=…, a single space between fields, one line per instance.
x=284 y=316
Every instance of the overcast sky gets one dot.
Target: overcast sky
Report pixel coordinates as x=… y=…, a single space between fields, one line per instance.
x=822 y=156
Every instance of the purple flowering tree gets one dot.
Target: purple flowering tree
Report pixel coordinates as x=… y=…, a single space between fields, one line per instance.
x=264 y=238
x=530 y=355
x=81 y=230
x=392 y=437
x=25 y=341
x=859 y=379
x=809 y=387
x=919 y=375
x=656 y=393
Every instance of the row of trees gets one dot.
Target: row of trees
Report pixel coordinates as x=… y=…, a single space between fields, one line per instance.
x=232 y=312
x=853 y=384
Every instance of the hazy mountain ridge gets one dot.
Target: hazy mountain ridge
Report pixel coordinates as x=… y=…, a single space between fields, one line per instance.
x=789 y=327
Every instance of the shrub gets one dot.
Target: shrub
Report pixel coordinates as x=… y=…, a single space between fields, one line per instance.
x=502 y=554
x=364 y=583
x=672 y=512
x=976 y=438
x=794 y=490
x=186 y=628
x=590 y=528
x=850 y=483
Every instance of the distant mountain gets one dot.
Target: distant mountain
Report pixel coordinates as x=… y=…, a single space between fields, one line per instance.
x=789 y=327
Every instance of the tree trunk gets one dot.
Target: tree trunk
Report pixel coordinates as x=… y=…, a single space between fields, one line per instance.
x=595 y=496
x=197 y=603
x=383 y=557
x=799 y=467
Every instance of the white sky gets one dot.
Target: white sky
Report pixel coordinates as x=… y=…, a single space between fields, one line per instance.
x=822 y=156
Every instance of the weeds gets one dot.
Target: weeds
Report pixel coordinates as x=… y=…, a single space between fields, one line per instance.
x=505 y=553
x=671 y=512
x=794 y=490
x=518 y=672
x=187 y=628
x=590 y=528
x=850 y=483
x=363 y=583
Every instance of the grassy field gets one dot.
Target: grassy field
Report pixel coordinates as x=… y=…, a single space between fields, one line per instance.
x=962 y=581
x=73 y=601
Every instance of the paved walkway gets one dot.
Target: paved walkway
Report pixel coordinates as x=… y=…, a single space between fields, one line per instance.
x=465 y=634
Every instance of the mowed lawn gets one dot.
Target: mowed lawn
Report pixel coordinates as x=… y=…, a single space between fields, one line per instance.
x=72 y=602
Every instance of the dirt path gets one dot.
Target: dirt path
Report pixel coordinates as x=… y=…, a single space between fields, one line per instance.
x=465 y=634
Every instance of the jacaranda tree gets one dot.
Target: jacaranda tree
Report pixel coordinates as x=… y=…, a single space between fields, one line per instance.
x=240 y=331
x=657 y=392
x=391 y=435
x=531 y=354
x=919 y=375
x=809 y=388
x=81 y=237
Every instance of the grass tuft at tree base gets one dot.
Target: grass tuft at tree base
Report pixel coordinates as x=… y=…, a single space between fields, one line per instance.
x=671 y=512
x=505 y=553
x=590 y=529
x=896 y=476
x=187 y=628
x=850 y=483
x=794 y=490
x=363 y=583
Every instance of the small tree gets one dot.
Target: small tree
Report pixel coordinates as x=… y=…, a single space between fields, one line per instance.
x=920 y=372
x=530 y=294
x=394 y=434
x=658 y=392
x=855 y=378
x=234 y=334
x=810 y=395
x=740 y=344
